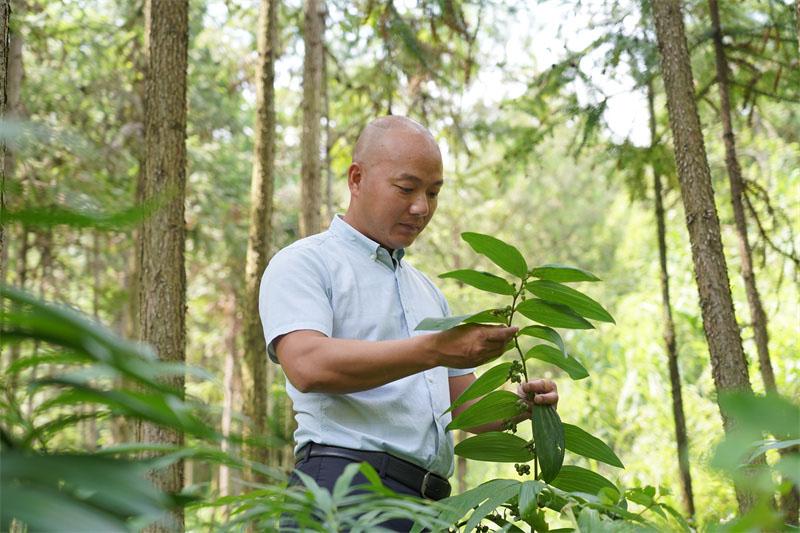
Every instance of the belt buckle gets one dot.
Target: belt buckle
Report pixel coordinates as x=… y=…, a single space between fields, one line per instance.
x=424 y=486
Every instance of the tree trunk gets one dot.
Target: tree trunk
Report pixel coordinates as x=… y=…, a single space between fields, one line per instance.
x=728 y=364
x=757 y=314
x=670 y=344
x=162 y=290
x=314 y=38
x=5 y=49
x=90 y=424
x=328 y=141
x=791 y=501
x=228 y=383
x=261 y=191
x=797 y=20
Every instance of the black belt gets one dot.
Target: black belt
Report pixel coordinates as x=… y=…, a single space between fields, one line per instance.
x=427 y=484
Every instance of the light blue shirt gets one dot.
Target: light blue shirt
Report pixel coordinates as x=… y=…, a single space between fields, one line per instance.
x=345 y=285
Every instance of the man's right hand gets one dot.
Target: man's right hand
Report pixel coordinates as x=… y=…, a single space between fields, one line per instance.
x=471 y=345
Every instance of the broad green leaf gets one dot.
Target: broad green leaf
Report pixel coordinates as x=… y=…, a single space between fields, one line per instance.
x=548 y=435
x=568 y=364
x=494 y=316
x=765 y=446
x=528 y=497
x=502 y=254
x=678 y=517
x=789 y=467
x=84 y=487
x=457 y=506
x=487 y=382
x=561 y=273
x=491 y=503
x=495 y=446
x=580 y=442
x=553 y=314
x=545 y=333
x=52 y=510
x=441 y=323
x=575 y=300
x=756 y=414
x=497 y=405
x=450 y=322
x=481 y=280
x=576 y=479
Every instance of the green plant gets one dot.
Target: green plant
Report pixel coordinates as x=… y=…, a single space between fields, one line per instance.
x=739 y=453
x=541 y=295
x=50 y=488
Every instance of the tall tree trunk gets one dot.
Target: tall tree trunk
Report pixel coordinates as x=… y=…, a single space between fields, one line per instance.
x=797 y=20
x=14 y=110
x=681 y=438
x=90 y=424
x=20 y=280
x=162 y=290
x=5 y=49
x=791 y=501
x=228 y=385
x=261 y=190
x=728 y=364
x=314 y=39
x=329 y=140
x=757 y=314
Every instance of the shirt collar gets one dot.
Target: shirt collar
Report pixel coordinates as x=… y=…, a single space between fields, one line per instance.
x=376 y=252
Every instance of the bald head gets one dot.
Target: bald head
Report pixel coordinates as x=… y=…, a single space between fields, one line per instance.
x=394 y=181
x=379 y=138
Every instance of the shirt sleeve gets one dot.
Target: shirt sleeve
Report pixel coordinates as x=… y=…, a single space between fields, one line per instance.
x=451 y=372
x=295 y=295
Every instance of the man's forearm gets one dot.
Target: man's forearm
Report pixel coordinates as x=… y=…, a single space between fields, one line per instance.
x=316 y=363
x=339 y=366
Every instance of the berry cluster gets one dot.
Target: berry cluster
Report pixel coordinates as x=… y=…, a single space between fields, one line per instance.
x=522 y=470
x=515 y=372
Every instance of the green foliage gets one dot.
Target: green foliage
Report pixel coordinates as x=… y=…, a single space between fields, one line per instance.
x=559 y=306
x=56 y=490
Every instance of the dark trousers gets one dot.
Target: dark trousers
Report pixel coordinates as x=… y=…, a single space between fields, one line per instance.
x=326 y=470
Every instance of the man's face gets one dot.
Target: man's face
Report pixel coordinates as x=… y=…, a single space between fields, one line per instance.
x=396 y=191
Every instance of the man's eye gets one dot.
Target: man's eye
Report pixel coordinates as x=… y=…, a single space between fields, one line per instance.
x=406 y=190
x=433 y=194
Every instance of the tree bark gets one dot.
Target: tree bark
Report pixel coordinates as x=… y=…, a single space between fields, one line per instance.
x=256 y=365
x=5 y=49
x=728 y=364
x=791 y=501
x=314 y=39
x=228 y=384
x=681 y=436
x=757 y=314
x=162 y=290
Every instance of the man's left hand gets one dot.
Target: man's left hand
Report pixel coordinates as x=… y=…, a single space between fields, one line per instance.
x=539 y=391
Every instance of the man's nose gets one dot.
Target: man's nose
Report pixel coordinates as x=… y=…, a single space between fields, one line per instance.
x=420 y=206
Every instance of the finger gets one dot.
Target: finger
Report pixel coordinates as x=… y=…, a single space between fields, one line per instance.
x=500 y=334
x=539 y=386
x=549 y=398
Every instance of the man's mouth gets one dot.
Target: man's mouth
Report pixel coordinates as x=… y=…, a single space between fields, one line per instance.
x=412 y=227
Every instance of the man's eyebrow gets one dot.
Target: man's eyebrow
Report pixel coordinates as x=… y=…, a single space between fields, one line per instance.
x=412 y=177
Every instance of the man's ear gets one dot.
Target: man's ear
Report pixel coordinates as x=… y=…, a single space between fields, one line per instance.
x=354 y=176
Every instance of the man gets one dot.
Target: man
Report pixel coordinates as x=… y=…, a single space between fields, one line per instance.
x=339 y=311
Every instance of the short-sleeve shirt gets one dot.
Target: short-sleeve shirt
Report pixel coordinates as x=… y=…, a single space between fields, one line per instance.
x=345 y=285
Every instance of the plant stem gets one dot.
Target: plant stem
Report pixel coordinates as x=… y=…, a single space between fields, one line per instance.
x=524 y=366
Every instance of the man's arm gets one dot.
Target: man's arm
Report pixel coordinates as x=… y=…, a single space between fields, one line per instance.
x=314 y=362
x=544 y=392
